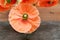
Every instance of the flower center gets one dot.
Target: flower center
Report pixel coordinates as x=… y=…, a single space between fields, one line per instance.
x=8 y=1
x=50 y=2
x=25 y=16
x=34 y=4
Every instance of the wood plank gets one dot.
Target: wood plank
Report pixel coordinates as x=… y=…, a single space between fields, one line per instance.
x=50 y=13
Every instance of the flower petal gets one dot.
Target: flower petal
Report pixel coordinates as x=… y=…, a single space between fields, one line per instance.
x=29 y=1
x=29 y=9
x=46 y=3
x=2 y=9
x=13 y=14
x=20 y=26
x=35 y=23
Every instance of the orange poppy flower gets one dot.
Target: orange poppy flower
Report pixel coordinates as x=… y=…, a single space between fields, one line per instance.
x=30 y=1
x=7 y=3
x=47 y=3
x=24 y=18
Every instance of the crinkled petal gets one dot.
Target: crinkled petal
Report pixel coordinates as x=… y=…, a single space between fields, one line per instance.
x=20 y=26
x=29 y=1
x=14 y=14
x=35 y=23
x=31 y=10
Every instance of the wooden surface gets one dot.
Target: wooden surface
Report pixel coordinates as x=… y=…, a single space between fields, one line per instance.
x=50 y=13
x=4 y=16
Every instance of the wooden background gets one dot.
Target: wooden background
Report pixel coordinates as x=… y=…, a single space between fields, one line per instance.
x=50 y=13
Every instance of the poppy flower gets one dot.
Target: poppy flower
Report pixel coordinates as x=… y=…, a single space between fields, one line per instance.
x=47 y=3
x=7 y=3
x=24 y=18
x=33 y=2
